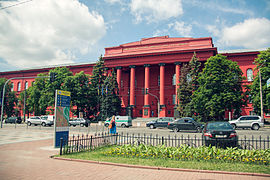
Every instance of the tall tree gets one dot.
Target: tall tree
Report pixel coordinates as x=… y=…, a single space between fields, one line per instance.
x=219 y=89
x=263 y=63
x=188 y=84
x=110 y=101
x=10 y=100
x=184 y=91
x=97 y=80
x=80 y=88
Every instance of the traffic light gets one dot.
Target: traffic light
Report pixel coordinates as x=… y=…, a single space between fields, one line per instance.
x=52 y=76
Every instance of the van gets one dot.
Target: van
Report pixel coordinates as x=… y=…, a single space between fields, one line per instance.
x=121 y=121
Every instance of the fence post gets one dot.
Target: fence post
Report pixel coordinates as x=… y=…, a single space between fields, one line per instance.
x=162 y=140
x=61 y=145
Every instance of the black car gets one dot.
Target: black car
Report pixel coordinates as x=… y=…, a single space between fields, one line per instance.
x=18 y=120
x=185 y=123
x=160 y=122
x=220 y=134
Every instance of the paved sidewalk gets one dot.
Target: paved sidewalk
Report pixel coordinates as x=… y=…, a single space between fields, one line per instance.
x=31 y=160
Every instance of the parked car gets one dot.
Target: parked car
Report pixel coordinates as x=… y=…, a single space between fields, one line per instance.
x=79 y=121
x=39 y=120
x=185 y=123
x=122 y=121
x=160 y=122
x=220 y=134
x=14 y=120
x=253 y=122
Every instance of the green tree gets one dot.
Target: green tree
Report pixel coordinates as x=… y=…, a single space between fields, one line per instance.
x=219 y=89
x=10 y=100
x=263 y=63
x=110 y=100
x=187 y=85
x=97 y=80
x=184 y=91
x=21 y=101
x=36 y=103
x=81 y=94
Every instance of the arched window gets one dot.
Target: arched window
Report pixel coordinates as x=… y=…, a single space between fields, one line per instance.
x=249 y=75
x=19 y=86
x=12 y=86
x=174 y=79
x=26 y=85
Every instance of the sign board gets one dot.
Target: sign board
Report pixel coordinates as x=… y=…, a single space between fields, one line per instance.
x=61 y=112
x=268 y=83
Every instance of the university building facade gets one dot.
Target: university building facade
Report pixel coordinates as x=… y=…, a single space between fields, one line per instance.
x=153 y=64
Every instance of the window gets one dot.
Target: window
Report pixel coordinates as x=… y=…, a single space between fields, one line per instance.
x=26 y=85
x=19 y=86
x=189 y=78
x=174 y=79
x=12 y=86
x=249 y=75
x=158 y=80
x=173 y=99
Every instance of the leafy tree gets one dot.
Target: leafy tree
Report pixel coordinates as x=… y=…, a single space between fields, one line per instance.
x=184 y=91
x=187 y=85
x=219 y=89
x=21 y=101
x=81 y=94
x=36 y=103
x=10 y=100
x=263 y=63
x=97 y=80
x=110 y=101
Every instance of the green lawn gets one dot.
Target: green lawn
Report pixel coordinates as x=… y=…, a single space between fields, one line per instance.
x=98 y=155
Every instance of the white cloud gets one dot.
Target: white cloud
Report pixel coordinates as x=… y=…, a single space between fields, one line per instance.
x=181 y=28
x=155 y=10
x=252 y=33
x=47 y=32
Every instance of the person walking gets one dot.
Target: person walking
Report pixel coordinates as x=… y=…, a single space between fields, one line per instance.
x=112 y=126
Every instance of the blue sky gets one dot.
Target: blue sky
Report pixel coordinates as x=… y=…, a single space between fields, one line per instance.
x=48 y=32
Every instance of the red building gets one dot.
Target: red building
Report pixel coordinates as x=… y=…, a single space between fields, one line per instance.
x=153 y=63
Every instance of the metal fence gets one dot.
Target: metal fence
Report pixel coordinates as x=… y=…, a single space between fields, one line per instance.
x=90 y=142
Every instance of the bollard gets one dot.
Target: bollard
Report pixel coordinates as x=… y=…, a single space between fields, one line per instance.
x=61 y=145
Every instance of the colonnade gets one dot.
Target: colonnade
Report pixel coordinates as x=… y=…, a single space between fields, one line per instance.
x=147 y=69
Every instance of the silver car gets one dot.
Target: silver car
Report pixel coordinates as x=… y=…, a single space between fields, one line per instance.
x=253 y=122
x=39 y=120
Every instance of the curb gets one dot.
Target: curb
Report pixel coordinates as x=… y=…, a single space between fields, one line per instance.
x=161 y=168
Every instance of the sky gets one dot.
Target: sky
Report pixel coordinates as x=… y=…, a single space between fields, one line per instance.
x=41 y=33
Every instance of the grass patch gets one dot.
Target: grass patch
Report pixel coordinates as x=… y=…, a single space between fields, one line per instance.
x=99 y=155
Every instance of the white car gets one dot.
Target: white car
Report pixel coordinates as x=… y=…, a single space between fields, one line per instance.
x=253 y=122
x=40 y=120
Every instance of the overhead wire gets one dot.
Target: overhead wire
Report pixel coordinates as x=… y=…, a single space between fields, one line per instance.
x=23 y=2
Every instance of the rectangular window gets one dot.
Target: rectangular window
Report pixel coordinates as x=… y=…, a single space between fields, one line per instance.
x=174 y=79
x=158 y=80
x=174 y=99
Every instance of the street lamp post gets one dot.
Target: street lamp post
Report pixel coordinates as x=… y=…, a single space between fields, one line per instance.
x=261 y=97
x=147 y=91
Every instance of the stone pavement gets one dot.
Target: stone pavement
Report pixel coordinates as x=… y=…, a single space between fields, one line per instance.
x=29 y=158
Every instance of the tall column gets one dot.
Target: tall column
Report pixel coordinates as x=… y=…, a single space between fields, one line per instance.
x=146 y=107
x=118 y=79
x=119 y=71
x=132 y=90
x=162 y=91
x=177 y=80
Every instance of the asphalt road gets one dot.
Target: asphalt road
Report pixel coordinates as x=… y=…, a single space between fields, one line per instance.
x=96 y=128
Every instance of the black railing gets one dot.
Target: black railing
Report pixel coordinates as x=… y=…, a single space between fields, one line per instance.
x=90 y=142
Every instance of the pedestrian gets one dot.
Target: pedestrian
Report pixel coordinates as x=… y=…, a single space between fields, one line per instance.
x=112 y=125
